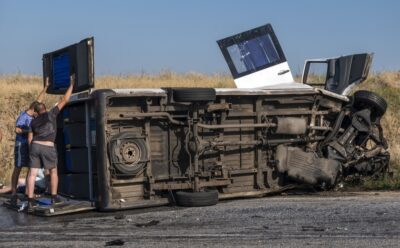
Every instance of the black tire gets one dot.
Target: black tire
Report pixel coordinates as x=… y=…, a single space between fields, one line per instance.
x=194 y=94
x=128 y=153
x=274 y=178
x=197 y=199
x=367 y=99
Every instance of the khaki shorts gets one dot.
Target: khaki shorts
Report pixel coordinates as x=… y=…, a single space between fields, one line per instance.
x=41 y=156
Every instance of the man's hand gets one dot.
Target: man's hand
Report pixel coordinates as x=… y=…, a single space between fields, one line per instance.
x=18 y=130
x=68 y=93
x=47 y=83
x=72 y=79
x=43 y=92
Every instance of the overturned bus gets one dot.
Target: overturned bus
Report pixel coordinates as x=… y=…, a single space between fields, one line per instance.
x=133 y=148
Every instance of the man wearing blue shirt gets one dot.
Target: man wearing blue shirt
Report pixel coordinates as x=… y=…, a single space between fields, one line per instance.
x=21 y=149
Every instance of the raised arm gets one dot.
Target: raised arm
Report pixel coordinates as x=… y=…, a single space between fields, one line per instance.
x=67 y=94
x=43 y=92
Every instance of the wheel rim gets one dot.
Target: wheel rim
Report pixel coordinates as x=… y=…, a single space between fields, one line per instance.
x=130 y=153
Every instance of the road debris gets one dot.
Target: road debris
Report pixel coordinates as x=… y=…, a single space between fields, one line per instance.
x=117 y=242
x=119 y=217
x=151 y=223
x=312 y=228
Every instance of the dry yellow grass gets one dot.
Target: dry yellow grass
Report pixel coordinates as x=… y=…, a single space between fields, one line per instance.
x=17 y=91
x=165 y=79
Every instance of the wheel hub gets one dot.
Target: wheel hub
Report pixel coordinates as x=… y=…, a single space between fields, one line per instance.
x=130 y=152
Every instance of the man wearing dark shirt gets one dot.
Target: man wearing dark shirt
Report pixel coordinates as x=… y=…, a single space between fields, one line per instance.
x=42 y=152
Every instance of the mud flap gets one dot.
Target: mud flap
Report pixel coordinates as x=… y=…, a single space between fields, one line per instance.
x=45 y=208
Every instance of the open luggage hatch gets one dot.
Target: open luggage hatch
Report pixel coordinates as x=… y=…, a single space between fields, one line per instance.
x=255 y=58
x=75 y=59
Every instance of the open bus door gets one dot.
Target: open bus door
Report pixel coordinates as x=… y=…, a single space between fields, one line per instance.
x=255 y=58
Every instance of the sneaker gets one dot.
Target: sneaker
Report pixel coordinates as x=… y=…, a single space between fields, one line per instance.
x=32 y=204
x=55 y=200
x=14 y=200
x=23 y=197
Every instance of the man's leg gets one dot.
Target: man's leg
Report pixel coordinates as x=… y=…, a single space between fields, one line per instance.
x=21 y=158
x=50 y=163
x=14 y=185
x=14 y=180
x=31 y=182
x=53 y=181
x=34 y=163
x=26 y=183
x=31 y=187
x=54 y=186
x=47 y=180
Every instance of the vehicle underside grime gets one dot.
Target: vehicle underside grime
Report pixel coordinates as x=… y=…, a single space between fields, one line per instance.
x=307 y=167
x=232 y=142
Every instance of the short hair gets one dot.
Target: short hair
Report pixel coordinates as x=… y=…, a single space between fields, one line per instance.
x=33 y=104
x=40 y=108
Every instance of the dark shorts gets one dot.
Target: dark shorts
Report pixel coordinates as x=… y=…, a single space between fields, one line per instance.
x=21 y=155
x=41 y=156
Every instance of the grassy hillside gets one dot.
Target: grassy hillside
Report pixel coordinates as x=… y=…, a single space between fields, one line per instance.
x=17 y=91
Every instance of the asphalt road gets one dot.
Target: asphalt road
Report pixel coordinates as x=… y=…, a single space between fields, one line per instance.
x=330 y=220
